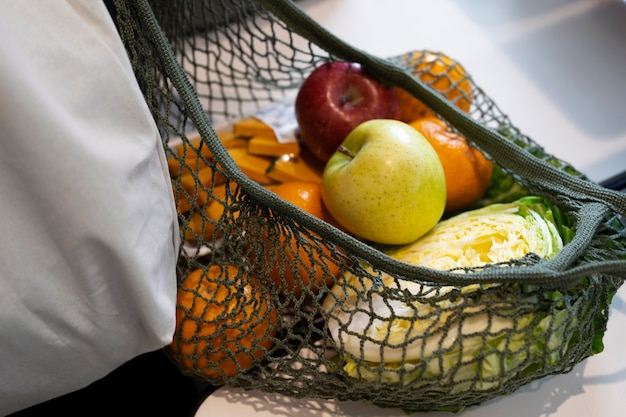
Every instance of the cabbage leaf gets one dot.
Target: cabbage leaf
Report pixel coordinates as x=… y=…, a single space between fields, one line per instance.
x=457 y=338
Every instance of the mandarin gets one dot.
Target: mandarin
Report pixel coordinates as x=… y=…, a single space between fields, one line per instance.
x=191 y=188
x=225 y=322
x=443 y=74
x=313 y=269
x=201 y=225
x=466 y=169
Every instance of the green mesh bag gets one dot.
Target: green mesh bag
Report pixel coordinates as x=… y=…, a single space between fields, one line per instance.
x=358 y=324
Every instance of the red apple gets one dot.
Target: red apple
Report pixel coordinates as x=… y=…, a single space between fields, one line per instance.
x=334 y=99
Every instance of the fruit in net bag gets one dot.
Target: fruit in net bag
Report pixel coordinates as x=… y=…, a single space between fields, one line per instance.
x=299 y=269
x=225 y=321
x=467 y=171
x=335 y=98
x=385 y=184
x=443 y=74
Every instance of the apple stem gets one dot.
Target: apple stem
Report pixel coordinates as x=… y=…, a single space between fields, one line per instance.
x=346 y=151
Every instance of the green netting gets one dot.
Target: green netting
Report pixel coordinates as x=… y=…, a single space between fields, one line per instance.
x=483 y=332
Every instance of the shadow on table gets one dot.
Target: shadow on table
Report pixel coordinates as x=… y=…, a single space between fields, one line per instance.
x=542 y=398
x=149 y=385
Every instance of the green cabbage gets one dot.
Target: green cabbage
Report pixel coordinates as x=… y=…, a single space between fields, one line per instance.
x=496 y=233
x=469 y=337
x=503 y=188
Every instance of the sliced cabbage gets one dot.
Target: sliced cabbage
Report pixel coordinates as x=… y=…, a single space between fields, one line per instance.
x=493 y=234
x=390 y=330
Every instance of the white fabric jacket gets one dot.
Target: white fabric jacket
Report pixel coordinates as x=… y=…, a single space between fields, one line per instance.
x=87 y=218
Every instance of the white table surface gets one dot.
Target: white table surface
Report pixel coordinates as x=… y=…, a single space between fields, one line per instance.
x=557 y=68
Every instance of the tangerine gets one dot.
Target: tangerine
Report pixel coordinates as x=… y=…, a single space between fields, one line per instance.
x=193 y=187
x=466 y=169
x=443 y=74
x=202 y=226
x=304 y=263
x=225 y=321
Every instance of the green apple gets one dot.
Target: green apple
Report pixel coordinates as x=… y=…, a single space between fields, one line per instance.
x=385 y=183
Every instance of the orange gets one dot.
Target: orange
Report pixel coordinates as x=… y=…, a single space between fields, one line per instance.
x=193 y=180
x=193 y=171
x=466 y=169
x=311 y=274
x=225 y=322
x=443 y=74
x=203 y=225
x=192 y=147
x=178 y=167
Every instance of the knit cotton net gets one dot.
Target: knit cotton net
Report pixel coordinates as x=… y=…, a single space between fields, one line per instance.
x=202 y=65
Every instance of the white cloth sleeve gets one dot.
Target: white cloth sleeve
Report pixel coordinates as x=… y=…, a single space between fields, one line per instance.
x=87 y=218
